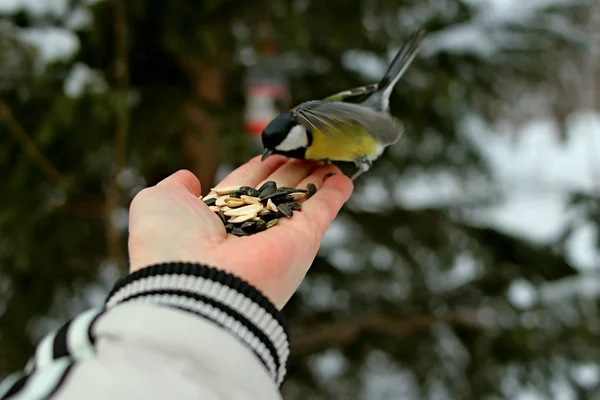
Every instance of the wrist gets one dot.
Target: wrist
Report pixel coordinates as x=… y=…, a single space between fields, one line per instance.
x=218 y=296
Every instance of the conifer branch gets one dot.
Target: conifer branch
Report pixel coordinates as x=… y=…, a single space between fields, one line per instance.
x=30 y=148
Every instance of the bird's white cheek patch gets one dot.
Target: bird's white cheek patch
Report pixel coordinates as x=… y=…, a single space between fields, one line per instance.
x=296 y=139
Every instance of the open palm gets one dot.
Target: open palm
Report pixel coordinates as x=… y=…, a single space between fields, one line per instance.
x=169 y=223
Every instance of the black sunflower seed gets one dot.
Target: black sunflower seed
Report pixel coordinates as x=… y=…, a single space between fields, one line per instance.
x=294 y=205
x=260 y=225
x=239 y=232
x=253 y=192
x=266 y=192
x=210 y=202
x=311 y=189
x=222 y=216
x=236 y=195
x=248 y=226
x=328 y=175
x=288 y=198
x=244 y=189
x=266 y=185
x=272 y=215
x=287 y=190
x=285 y=210
x=228 y=227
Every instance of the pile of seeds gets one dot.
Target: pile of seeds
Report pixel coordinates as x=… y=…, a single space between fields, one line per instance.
x=246 y=211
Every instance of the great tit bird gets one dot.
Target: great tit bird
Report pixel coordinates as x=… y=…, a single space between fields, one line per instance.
x=350 y=126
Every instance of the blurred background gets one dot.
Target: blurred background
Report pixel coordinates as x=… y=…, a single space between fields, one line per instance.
x=466 y=264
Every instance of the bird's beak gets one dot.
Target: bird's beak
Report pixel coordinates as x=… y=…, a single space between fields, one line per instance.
x=266 y=154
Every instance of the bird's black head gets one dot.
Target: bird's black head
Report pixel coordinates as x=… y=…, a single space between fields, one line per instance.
x=285 y=136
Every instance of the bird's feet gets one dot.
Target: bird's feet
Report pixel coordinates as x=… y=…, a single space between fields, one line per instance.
x=363 y=164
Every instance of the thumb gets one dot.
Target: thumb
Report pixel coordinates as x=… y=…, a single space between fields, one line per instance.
x=183 y=179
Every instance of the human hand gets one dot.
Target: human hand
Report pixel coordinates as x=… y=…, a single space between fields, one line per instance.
x=168 y=223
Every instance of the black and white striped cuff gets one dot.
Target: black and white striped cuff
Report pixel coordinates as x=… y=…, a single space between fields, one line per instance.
x=215 y=295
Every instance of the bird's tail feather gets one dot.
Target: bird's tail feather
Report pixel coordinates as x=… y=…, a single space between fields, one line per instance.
x=400 y=63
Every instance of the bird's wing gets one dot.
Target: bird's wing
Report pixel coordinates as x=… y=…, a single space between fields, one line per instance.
x=355 y=95
x=337 y=118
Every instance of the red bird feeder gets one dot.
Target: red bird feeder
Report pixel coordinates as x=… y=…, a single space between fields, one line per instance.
x=267 y=92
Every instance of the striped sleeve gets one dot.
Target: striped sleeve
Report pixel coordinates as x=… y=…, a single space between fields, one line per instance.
x=217 y=296
x=53 y=359
x=199 y=290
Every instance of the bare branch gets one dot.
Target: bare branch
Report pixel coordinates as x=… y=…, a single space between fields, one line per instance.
x=309 y=340
x=113 y=235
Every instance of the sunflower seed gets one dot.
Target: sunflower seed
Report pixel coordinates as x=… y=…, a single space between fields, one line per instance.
x=210 y=202
x=298 y=196
x=233 y=202
x=256 y=218
x=266 y=192
x=285 y=210
x=210 y=195
x=225 y=190
x=263 y=212
x=250 y=199
x=244 y=189
x=228 y=227
x=328 y=175
x=253 y=193
x=221 y=201
x=214 y=208
x=311 y=189
x=266 y=185
x=226 y=208
x=270 y=216
x=295 y=206
x=236 y=195
x=271 y=223
x=287 y=198
x=241 y=218
x=271 y=206
x=239 y=232
x=260 y=225
x=250 y=209
x=222 y=216
x=287 y=190
x=248 y=226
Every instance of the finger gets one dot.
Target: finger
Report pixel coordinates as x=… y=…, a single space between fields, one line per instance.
x=292 y=172
x=252 y=172
x=317 y=176
x=322 y=208
x=183 y=179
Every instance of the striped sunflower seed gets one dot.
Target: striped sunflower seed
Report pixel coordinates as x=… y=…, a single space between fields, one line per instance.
x=285 y=210
x=271 y=223
x=298 y=195
x=266 y=185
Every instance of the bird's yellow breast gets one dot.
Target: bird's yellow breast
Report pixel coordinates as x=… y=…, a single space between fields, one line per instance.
x=340 y=147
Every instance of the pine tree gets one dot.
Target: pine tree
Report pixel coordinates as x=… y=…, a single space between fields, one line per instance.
x=381 y=313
